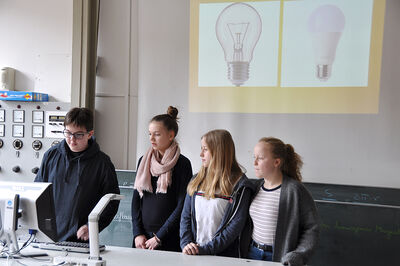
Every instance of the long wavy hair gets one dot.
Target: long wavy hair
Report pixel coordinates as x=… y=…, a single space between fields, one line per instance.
x=291 y=162
x=221 y=175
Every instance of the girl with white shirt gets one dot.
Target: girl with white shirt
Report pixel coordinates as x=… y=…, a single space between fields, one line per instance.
x=217 y=200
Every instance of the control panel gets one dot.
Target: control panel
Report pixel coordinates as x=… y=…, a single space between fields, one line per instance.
x=27 y=131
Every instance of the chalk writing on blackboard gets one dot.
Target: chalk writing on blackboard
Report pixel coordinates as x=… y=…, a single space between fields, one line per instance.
x=358 y=229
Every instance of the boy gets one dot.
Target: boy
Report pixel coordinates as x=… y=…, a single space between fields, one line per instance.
x=81 y=174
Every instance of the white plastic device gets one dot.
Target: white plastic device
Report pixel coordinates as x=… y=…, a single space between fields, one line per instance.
x=94 y=257
x=10 y=217
x=7 y=78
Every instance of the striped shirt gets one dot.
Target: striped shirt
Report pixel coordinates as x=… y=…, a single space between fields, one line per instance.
x=264 y=213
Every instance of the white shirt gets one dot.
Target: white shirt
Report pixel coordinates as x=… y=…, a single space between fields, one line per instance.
x=209 y=214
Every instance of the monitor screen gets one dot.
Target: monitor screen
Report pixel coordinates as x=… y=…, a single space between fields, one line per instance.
x=36 y=209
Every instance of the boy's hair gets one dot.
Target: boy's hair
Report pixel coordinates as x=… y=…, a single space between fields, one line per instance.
x=80 y=117
x=223 y=171
x=291 y=162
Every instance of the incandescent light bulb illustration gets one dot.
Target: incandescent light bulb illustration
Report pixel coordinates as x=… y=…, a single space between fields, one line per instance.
x=326 y=24
x=238 y=29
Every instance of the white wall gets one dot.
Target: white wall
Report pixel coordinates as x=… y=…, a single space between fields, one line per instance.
x=36 y=40
x=342 y=149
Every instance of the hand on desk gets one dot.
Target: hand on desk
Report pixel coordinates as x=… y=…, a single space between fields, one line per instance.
x=191 y=249
x=140 y=241
x=83 y=233
x=152 y=243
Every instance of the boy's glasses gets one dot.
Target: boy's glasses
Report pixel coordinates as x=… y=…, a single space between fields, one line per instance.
x=76 y=135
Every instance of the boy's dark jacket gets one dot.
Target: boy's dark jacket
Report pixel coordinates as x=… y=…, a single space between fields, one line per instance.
x=78 y=184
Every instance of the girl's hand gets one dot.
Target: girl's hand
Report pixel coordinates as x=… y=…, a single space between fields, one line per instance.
x=140 y=241
x=152 y=243
x=191 y=249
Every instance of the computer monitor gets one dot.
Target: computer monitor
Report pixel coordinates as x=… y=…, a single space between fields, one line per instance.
x=35 y=210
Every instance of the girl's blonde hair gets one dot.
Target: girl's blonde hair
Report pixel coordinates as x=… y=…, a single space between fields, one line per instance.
x=223 y=171
x=291 y=162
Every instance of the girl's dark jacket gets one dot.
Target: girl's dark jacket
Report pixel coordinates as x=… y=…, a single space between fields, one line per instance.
x=226 y=240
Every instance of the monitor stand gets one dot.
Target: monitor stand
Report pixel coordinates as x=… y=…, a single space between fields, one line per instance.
x=10 y=220
x=94 y=258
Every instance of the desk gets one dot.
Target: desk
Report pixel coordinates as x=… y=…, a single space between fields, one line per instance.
x=119 y=256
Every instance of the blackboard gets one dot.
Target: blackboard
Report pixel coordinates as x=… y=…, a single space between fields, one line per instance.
x=359 y=225
x=355 y=194
x=119 y=232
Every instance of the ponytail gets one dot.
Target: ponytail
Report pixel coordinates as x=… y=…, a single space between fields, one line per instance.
x=291 y=162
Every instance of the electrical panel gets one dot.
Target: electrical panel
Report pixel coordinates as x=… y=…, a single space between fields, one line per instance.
x=27 y=131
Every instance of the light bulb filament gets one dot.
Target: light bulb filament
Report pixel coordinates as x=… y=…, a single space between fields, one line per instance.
x=238 y=33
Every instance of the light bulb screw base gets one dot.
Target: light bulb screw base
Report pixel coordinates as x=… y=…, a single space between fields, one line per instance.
x=323 y=72
x=238 y=72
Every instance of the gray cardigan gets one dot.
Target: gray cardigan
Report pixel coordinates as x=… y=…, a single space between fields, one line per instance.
x=297 y=229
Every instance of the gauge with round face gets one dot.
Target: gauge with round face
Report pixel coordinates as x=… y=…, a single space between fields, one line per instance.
x=18 y=131
x=37 y=131
x=37 y=117
x=18 y=116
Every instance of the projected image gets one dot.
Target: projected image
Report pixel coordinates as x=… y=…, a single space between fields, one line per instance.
x=286 y=56
x=326 y=43
x=238 y=29
x=238 y=44
x=326 y=24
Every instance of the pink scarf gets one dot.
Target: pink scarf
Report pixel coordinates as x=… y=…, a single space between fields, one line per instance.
x=153 y=165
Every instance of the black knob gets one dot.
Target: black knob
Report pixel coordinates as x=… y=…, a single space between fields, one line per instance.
x=54 y=143
x=37 y=145
x=1 y=143
x=35 y=170
x=17 y=144
x=16 y=169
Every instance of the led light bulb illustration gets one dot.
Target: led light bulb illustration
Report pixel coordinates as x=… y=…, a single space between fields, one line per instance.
x=326 y=24
x=238 y=29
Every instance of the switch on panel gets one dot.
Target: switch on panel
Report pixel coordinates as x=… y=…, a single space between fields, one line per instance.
x=35 y=170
